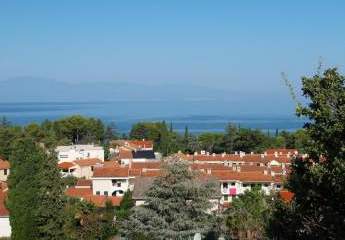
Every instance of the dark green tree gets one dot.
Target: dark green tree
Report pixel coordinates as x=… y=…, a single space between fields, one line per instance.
x=319 y=180
x=35 y=193
x=176 y=207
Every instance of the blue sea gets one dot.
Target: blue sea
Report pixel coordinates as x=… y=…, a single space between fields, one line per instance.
x=199 y=117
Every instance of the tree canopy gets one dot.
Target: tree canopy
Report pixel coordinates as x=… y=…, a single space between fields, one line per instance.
x=176 y=207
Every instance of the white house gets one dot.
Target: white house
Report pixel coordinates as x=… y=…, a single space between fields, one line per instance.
x=77 y=152
x=5 y=227
x=82 y=168
x=4 y=170
x=110 y=181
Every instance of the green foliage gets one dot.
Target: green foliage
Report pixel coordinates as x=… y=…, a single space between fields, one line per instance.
x=83 y=221
x=175 y=207
x=78 y=129
x=69 y=181
x=123 y=211
x=35 y=193
x=248 y=215
x=319 y=181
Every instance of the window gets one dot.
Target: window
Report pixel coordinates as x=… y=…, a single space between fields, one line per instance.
x=88 y=154
x=92 y=168
x=98 y=192
x=233 y=184
x=245 y=185
x=266 y=185
x=63 y=156
x=106 y=193
x=118 y=184
x=5 y=171
x=113 y=182
x=225 y=185
x=226 y=198
x=278 y=186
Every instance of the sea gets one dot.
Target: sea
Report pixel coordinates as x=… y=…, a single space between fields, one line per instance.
x=198 y=117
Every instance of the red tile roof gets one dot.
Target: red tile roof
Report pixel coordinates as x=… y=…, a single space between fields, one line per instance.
x=3 y=210
x=281 y=151
x=84 y=183
x=147 y=165
x=65 y=165
x=242 y=176
x=86 y=194
x=140 y=143
x=4 y=164
x=125 y=154
x=88 y=162
x=78 y=192
x=111 y=172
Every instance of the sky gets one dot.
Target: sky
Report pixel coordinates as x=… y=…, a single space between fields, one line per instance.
x=241 y=46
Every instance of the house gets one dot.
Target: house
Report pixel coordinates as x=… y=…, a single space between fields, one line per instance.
x=5 y=227
x=4 y=169
x=77 y=152
x=126 y=156
x=144 y=145
x=112 y=181
x=83 y=191
x=82 y=168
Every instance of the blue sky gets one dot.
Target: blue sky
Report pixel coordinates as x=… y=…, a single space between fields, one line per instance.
x=242 y=45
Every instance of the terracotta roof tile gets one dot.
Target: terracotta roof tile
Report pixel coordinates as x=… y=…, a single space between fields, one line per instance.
x=111 y=172
x=66 y=165
x=3 y=210
x=4 y=164
x=100 y=201
x=78 y=192
x=84 y=183
x=88 y=162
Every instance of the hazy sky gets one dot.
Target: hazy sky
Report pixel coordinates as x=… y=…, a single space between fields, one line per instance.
x=242 y=45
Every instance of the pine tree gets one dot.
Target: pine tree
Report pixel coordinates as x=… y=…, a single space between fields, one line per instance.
x=35 y=193
x=175 y=207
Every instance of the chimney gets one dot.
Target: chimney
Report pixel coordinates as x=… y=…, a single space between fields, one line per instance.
x=233 y=167
x=202 y=152
x=213 y=154
x=273 y=173
x=195 y=153
x=251 y=153
x=223 y=154
x=276 y=154
x=265 y=172
x=209 y=171
x=238 y=169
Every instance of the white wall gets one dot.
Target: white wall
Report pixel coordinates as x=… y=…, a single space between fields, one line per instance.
x=71 y=153
x=5 y=227
x=3 y=177
x=105 y=184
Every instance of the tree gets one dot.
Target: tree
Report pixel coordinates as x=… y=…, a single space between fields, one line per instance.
x=230 y=136
x=175 y=207
x=84 y=221
x=247 y=217
x=35 y=193
x=319 y=180
x=123 y=211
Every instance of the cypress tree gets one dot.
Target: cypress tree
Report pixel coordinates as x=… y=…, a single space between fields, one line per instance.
x=35 y=193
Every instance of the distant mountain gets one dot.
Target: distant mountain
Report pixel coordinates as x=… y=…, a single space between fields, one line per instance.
x=28 y=89
x=172 y=98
